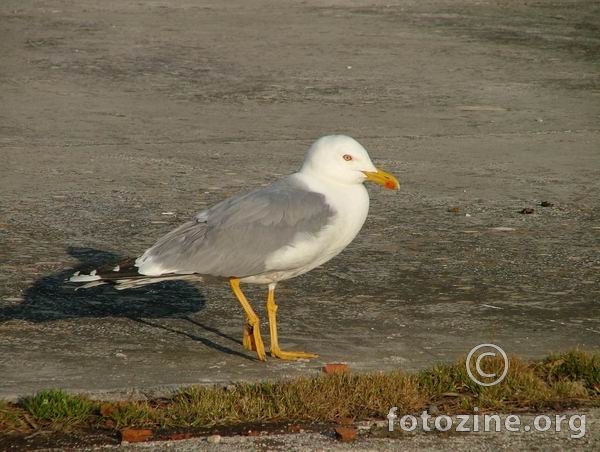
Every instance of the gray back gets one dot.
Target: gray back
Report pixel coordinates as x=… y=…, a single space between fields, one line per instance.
x=236 y=236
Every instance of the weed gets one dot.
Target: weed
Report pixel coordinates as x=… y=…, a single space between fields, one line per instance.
x=564 y=380
x=56 y=406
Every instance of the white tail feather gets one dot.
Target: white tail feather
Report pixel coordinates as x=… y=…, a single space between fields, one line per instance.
x=133 y=283
x=85 y=278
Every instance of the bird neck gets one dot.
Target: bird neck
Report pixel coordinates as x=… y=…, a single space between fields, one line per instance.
x=319 y=179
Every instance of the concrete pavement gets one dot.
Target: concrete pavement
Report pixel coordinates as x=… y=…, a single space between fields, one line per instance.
x=120 y=120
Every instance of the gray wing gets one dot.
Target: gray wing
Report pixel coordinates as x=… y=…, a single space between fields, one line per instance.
x=235 y=237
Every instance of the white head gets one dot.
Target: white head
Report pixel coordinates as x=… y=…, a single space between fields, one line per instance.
x=344 y=160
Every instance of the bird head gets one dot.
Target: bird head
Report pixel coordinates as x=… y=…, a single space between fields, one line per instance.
x=344 y=160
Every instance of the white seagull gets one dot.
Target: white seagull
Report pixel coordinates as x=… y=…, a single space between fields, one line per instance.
x=268 y=235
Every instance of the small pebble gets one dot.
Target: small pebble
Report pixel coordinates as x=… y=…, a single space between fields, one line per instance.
x=346 y=434
x=335 y=368
x=527 y=210
x=433 y=410
x=546 y=204
x=135 y=435
x=214 y=439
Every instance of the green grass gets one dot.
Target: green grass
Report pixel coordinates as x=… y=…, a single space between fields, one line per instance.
x=57 y=407
x=132 y=414
x=320 y=399
x=583 y=367
x=569 y=379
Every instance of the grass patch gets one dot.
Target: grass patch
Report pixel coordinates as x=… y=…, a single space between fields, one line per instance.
x=11 y=417
x=566 y=380
x=57 y=407
x=575 y=366
x=131 y=414
x=320 y=399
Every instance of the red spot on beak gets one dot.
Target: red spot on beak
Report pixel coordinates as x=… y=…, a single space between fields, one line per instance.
x=390 y=184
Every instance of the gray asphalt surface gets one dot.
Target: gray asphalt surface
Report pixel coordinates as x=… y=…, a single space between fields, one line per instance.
x=120 y=120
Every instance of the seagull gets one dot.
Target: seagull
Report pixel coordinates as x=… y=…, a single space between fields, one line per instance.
x=265 y=236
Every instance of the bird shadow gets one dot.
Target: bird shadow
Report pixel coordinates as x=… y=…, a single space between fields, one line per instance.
x=52 y=298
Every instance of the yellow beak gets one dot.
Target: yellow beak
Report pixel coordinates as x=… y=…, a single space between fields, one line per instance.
x=382 y=178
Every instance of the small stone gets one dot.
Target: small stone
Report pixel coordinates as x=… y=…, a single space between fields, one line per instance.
x=214 y=439
x=547 y=204
x=346 y=434
x=433 y=410
x=527 y=210
x=135 y=435
x=366 y=426
x=335 y=368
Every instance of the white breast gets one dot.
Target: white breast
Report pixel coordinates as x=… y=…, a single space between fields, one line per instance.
x=351 y=204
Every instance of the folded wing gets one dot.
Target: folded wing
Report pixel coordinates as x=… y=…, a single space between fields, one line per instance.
x=236 y=236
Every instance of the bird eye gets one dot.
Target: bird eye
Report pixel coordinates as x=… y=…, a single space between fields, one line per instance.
x=347 y=157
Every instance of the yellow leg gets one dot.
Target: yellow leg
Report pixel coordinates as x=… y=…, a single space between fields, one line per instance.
x=275 y=350
x=252 y=322
x=248 y=337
